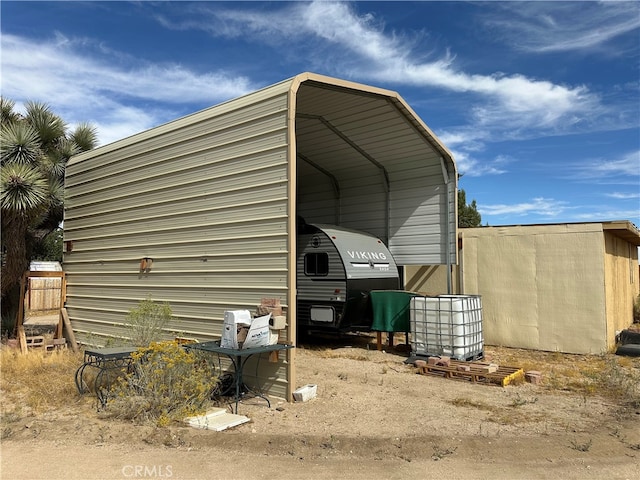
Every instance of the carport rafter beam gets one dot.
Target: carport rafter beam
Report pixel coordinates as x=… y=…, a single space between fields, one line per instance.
x=426 y=135
x=332 y=178
x=351 y=143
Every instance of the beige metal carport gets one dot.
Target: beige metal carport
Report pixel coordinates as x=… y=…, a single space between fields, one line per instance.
x=212 y=199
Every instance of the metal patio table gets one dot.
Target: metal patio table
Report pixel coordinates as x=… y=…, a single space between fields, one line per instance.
x=104 y=360
x=239 y=358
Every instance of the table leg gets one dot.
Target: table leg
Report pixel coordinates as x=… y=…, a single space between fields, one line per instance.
x=80 y=383
x=237 y=373
x=243 y=386
x=102 y=381
x=100 y=394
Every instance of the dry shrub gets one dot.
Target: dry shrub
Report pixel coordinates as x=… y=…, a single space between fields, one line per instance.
x=610 y=376
x=621 y=383
x=167 y=383
x=147 y=321
x=465 y=402
x=37 y=381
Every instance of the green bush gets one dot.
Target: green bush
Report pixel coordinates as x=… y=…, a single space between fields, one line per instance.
x=636 y=310
x=167 y=383
x=147 y=321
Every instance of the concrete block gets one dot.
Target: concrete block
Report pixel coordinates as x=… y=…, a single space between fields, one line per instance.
x=489 y=368
x=533 y=377
x=36 y=342
x=277 y=322
x=420 y=363
x=305 y=393
x=444 y=362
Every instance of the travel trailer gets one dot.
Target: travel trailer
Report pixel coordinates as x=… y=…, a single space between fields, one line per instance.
x=336 y=269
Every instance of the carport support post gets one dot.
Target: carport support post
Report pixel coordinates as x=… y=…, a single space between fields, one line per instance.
x=445 y=176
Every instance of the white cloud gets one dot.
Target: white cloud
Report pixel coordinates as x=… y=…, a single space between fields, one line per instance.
x=606 y=214
x=471 y=139
x=625 y=168
x=393 y=58
x=542 y=210
x=538 y=103
x=623 y=195
x=91 y=83
x=562 y=26
x=473 y=167
x=545 y=207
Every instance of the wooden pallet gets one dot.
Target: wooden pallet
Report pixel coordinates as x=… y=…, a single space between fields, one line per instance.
x=477 y=373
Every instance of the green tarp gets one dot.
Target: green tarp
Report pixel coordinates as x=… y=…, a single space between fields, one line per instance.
x=391 y=310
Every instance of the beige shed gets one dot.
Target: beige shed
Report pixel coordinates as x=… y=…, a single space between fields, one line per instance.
x=208 y=204
x=560 y=287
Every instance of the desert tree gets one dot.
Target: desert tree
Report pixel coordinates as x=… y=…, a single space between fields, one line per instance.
x=468 y=215
x=34 y=149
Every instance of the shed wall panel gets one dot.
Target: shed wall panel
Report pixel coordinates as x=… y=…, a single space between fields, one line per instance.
x=621 y=282
x=207 y=201
x=542 y=287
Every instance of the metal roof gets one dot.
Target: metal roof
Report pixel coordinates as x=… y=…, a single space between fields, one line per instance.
x=388 y=172
x=362 y=159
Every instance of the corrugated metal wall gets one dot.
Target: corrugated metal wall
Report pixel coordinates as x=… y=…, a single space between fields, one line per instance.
x=382 y=176
x=208 y=199
x=204 y=197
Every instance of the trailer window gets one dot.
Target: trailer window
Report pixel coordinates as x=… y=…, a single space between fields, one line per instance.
x=316 y=264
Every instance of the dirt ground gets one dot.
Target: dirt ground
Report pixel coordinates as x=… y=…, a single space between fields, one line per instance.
x=374 y=417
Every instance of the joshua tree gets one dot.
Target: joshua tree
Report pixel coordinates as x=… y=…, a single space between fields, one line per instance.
x=34 y=150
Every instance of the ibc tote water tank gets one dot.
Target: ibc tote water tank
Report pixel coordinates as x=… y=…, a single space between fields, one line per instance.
x=448 y=325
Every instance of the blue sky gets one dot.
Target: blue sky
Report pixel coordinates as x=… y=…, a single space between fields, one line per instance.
x=539 y=102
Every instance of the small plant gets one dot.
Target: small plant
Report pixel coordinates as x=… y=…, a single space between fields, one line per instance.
x=581 y=447
x=331 y=443
x=465 y=402
x=167 y=383
x=147 y=321
x=440 y=452
x=636 y=310
x=518 y=401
